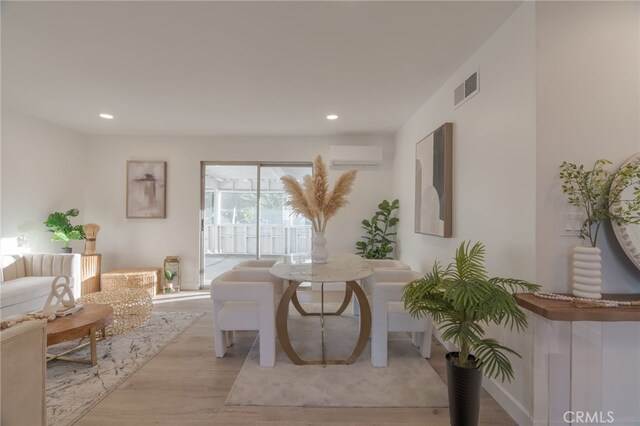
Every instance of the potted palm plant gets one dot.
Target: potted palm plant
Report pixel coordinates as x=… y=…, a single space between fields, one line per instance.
x=62 y=229
x=462 y=299
x=595 y=190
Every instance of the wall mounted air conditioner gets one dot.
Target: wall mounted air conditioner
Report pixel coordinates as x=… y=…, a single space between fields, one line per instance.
x=348 y=155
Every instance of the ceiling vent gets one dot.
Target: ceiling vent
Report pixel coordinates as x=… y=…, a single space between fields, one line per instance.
x=466 y=90
x=344 y=155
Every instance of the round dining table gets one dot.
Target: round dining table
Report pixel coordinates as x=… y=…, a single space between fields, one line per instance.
x=340 y=267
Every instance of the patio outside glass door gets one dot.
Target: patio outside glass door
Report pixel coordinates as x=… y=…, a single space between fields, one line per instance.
x=244 y=215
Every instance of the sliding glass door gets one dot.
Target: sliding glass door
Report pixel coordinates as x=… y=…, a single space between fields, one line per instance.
x=244 y=215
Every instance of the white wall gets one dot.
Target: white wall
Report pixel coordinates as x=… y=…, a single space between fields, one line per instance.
x=493 y=169
x=493 y=155
x=588 y=104
x=42 y=171
x=588 y=107
x=145 y=242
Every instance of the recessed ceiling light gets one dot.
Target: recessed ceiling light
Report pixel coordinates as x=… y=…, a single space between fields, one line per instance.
x=332 y=117
x=107 y=116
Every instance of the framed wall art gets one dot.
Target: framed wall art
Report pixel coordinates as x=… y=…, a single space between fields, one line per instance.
x=434 y=183
x=146 y=189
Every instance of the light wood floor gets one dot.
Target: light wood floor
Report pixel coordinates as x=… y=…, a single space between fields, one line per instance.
x=185 y=384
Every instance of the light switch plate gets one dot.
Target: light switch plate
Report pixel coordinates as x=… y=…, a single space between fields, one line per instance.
x=570 y=224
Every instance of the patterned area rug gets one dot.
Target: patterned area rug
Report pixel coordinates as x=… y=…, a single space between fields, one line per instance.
x=408 y=381
x=73 y=389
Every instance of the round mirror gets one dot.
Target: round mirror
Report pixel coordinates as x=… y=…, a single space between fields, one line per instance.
x=628 y=234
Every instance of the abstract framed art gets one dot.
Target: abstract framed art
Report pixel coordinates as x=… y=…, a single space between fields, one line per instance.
x=433 y=211
x=146 y=189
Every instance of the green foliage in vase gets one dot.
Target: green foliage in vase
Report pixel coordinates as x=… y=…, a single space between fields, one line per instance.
x=593 y=190
x=62 y=229
x=462 y=300
x=625 y=195
x=377 y=243
x=170 y=275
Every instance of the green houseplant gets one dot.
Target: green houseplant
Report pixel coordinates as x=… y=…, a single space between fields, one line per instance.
x=377 y=243
x=62 y=229
x=595 y=191
x=170 y=276
x=591 y=190
x=462 y=299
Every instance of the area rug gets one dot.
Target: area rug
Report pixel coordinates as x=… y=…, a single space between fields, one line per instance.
x=73 y=389
x=408 y=381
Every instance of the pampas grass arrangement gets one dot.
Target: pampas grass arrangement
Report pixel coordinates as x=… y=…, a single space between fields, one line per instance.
x=313 y=199
x=91 y=230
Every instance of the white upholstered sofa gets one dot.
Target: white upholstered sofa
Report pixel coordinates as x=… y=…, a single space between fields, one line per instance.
x=25 y=280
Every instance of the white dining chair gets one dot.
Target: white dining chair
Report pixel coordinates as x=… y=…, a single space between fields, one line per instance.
x=255 y=263
x=382 y=265
x=259 y=264
x=246 y=299
x=389 y=315
x=377 y=265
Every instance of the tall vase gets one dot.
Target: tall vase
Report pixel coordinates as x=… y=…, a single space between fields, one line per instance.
x=90 y=246
x=586 y=272
x=91 y=232
x=319 y=253
x=464 y=385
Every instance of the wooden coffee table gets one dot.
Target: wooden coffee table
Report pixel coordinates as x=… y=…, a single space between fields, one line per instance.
x=84 y=323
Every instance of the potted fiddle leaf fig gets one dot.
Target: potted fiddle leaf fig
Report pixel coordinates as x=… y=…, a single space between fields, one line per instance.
x=463 y=300
x=378 y=242
x=63 y=230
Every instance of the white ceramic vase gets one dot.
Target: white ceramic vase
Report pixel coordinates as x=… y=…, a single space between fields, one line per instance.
x=587 y=278
x=319 y=252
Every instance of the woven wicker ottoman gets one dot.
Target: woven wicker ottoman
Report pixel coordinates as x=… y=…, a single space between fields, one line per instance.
x=131 y=307
x=146 y=278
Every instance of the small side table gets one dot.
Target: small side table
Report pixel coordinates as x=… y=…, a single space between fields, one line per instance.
x=90 y=265
x=146 y=278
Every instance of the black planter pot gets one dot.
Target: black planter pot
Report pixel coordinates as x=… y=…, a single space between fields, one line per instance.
x=65 y=250
x=464 y=386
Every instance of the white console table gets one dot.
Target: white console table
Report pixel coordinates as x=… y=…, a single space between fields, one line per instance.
x=586 y=361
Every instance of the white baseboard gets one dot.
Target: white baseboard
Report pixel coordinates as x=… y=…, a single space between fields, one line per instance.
x=190 y=286
x=450 y=347
x=508 y=403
